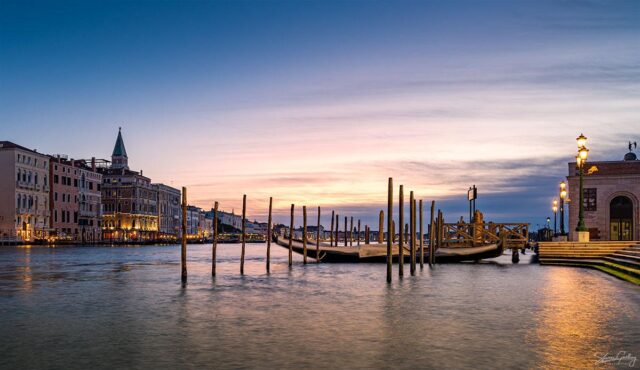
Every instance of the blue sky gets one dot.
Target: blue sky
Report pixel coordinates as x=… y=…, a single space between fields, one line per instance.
x=320 y=102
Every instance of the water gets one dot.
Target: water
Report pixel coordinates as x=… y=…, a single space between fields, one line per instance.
x=124 y=307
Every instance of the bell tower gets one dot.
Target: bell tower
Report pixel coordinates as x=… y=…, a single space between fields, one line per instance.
x=119 y=157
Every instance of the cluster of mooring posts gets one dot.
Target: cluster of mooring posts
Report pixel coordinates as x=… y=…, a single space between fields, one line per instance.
x=411 y=233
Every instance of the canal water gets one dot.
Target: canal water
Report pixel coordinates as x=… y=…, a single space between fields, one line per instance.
x=124 y=307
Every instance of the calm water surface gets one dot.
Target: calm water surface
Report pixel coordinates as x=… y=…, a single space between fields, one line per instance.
x=124 y=307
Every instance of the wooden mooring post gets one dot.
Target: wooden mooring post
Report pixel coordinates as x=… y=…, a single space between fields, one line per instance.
x=381 y=228
x=331 y=234
x=401 y=236
x=345 y=231
x=304 y=235
x=318 y=238
x=351 y=232
x=269 y=227
x=337 y=229
x=214 y=247
x=358 y=235
x=367 y=231
x=291 y=237
x=412 y=230
x=183 y=244
x=421 y=236
x=244 y=232
x=431 y=235
x=389 y=227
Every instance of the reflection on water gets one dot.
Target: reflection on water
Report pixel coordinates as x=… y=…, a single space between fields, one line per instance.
x=124 y=307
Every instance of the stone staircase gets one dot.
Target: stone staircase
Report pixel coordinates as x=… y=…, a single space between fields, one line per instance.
x=621 y=259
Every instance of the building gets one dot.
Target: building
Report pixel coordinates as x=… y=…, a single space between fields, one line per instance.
x=24 y=194
x=169 y=211
x=63 y=198
x=130 y=211
x=611 y=199
x=230 y=219
x=194 y=222
x=89 y=201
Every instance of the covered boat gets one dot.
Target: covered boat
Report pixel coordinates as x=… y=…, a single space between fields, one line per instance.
x=378 y=252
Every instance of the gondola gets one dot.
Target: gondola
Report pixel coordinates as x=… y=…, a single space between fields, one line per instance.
x=376 y=253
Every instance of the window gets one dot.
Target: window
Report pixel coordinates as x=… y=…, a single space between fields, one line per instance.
x=55 y=179
x=590 y=199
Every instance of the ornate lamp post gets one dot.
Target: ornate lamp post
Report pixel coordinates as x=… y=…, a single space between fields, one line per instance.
x=554 y=208
x=581 y=160
x=563 y=196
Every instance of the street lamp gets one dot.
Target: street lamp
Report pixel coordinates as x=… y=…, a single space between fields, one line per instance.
x=563 y=196
x=555 y=216
x=581 y=160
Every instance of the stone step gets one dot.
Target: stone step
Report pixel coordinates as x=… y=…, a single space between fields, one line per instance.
x=630 y=252
x=621 y=271
x=625 y=255
x=624 y=262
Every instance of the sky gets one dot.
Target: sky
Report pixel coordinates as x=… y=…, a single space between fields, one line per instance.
x=318 y=103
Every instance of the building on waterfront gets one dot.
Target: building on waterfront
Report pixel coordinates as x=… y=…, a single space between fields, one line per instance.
x=611 y=203
x=89 y=201
x=229 y=219
x=130 y=211
x=194 y=222
x=169 y=212
x=63 y=198
x=24 y=194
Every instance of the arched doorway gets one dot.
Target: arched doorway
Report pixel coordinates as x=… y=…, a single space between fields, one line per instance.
x=621 y=218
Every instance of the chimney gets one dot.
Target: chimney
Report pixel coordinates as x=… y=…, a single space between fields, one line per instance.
x=93 y=164
x=141 y=173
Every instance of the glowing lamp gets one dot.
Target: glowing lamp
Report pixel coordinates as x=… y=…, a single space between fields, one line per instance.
x=563 y=194
x=578 y=161
x=581 y=140
x=584 y=153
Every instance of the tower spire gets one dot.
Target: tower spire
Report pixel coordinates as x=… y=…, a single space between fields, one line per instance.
x=119 y=158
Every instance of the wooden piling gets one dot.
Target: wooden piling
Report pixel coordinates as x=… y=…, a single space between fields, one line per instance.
x=367 y=231
x=318 y=238
x=304 y=235
x=351 y=232
x=291 y=238
x=337 y=229
x=421 y=236
x=331 y=234
x=431 y=235
x=214 y=247
x=393 y=231
x=389 y=227
x=183 y=249
x=269 y=235
x=381 y=227
x=244 y=232
x=401 y=240
x=412 y=229
x=345 y=230
x=358 y=235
